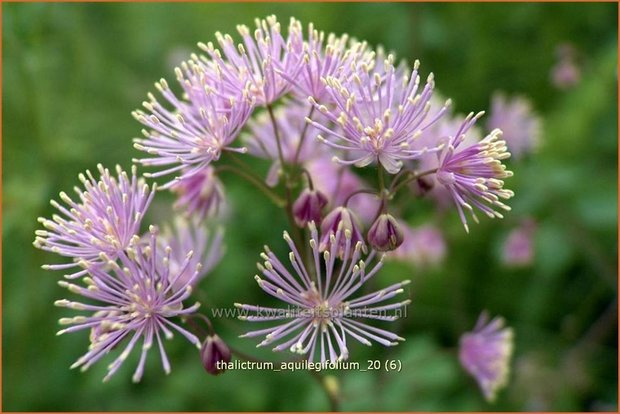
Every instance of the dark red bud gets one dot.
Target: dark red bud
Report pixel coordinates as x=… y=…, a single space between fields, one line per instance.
x=385 y=233
x=308 y=207
x=214 y=350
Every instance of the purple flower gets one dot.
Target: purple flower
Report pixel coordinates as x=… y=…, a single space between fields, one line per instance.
x=104 y=220
x=520 y=125
x=214 y=351
x=485 y=354
x=190 y=235
x=201 y=194
x=385 y=234
x=566 y=73
x=293 y=132
x=135 y=300
x=321 y=314
x=381 y=114
x=422 y=246
x=259 y=61
x=325 y=56
x=518 y=249
x=341 y=219
x=474 y=175
x=439 y=134
x=195 y=130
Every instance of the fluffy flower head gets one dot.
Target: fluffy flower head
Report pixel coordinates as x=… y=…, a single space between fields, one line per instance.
x=474 y=175
x=485 y=354
x=259 y=60
x=521 y=127
x=326 y=56
x=193 y=131
x=104 y=220
x=381 y=114
x=133 y=299
x=321 y=313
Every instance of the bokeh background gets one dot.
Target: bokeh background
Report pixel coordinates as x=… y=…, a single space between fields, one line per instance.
x=73 y=72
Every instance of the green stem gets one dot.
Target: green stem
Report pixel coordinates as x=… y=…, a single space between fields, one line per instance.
x=296 y=235
x=255 y=181
x=276 y=133
x=309 y=177
x=381 y=178
x=189 y=320
x=353 y=194
x=302 y=137
x=412 y=176
x=334 y=404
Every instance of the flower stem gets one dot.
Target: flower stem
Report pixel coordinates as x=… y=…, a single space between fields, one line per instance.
x=381 y=178
x=412 y=176
x=296 y=235
x=334 y=403
x=302 y=137
x=255 y=181
x=353 y=194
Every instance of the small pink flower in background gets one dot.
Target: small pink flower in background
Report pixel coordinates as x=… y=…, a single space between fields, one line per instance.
x=485 y=354
x=207 y=245
x=518 y=249
x=521 y=127
x=261 y=140
x=566 y=73
x=200 y=195
x=422 y=246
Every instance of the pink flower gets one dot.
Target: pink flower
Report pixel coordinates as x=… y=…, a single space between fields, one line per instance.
x=485 y=354
x=518 y=249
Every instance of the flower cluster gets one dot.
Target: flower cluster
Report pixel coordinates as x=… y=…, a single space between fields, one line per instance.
x=136 y=298
x=133 y=286
x=313 y=105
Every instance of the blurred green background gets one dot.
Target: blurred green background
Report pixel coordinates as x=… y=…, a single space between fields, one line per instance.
x=72 y=74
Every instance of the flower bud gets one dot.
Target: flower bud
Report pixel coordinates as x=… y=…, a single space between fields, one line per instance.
x=343 y=219
x=385 y=233
x=422 y=185
x=308 y=207
x=215 y=355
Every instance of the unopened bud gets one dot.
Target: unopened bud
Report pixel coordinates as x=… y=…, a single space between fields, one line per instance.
x=308 y=207
x=215 y=355
x=385 y=233
x=423 y=185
